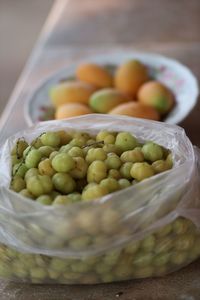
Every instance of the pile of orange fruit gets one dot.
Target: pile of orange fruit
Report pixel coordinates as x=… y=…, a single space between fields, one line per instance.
x=128 y=90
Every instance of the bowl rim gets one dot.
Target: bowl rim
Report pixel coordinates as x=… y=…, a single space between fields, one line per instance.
x=118 y=53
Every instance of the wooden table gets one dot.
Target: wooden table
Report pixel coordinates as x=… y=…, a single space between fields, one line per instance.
x=77 y=29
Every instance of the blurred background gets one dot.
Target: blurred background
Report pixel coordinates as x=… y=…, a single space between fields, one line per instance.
x=20 y=23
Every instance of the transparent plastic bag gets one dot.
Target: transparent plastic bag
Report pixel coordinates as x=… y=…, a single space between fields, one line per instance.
x=149 y=229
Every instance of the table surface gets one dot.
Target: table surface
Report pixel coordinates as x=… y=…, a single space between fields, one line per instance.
x=77 y=29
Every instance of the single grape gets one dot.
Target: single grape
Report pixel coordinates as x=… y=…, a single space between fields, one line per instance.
x=15 y=160
x=45 y=167
x=160 y=166
x=51 y=139
x=65 y=148
x=141 y=170
x=93 y=192
x=84 y=135
x=31 y=172
x=39 y=185
x=80 y=169
x=64 y=183
x=75 y=197
x=110 y=184
x=124 y=183
x=63 y=162
x=26 y=194
x=169 y=161
x=113 y=173
x=95 y=154
x=53 y=154
x=17 y=184
x=27 y=150
x=62 y=200
x=76 y=151
x=46 y=150
x=78 y=142
x=152 y=152
x=96 y=171
x=132 y=156
x=37 y=143
x=19 y=148
x=44 y=199
x=125 y=141
x=20 y=170
x=33 y=158
x=65 y=137
x=113 y=161
x=125 y=170
x=112 y=148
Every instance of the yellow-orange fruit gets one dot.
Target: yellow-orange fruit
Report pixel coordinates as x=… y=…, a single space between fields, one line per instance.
x=157 y=95
x=135 y=109
x=104 y=100
x=94 y=74
x=71 y=110
x=130 y=76
x=71 y=92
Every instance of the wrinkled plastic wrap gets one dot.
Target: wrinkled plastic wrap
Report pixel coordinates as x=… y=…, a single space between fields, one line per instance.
x=149 y=229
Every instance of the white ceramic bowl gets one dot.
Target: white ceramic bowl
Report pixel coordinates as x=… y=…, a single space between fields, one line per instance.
x=173 y=74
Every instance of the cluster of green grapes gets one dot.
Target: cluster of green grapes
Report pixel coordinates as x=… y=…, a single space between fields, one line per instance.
x=63 y=168
x=167 y=249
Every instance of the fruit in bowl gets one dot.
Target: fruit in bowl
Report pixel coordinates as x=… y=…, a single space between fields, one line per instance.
x=127 y=89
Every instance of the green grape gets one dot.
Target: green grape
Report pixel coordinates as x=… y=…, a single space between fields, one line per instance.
x=180 y=226
x=65 y=148
x=133 y=247
x=65 y=137
x=93 y=192
x=62 y=200
x=46 y=150
x=143 y=272
x=20 y=170
x=27 y=150
x=148 y=243
x=169 y=161
x=109 y=139
x=17 y=184
x=111 y=258
x=64 y=183
x=33 y=158
x=51 y=139
x=39 y=185
x=132 y=156
x=160 y=166
x=38 y=273
x=95 y=154
x=142 y=259
x=124 y=183
x=179 y=257
x=112 y=173
x=97 y=171
x=110 y=184
x=125 y=170
x=184 y=242
x=87 y=221
x=112 y=148
x=80 y=243
x=164 y=231
x=31 y=172
x=26 y=194
x=125 y=141
x=84 y=135
x=54 y=194
x=101 y=135
x=78 y=142
x=19 y=270
x=76 y=152
x=37 y=143
x=45 y=167
x=80 y=169
x=74 y=197
x=113 y=161
x=110 y=220
x=15 y=160
x=63 y=162
x=152 y=152
x=53 y=154
x=164 y=244
x=19 y=148
x=141 y=170
x=44 y=199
